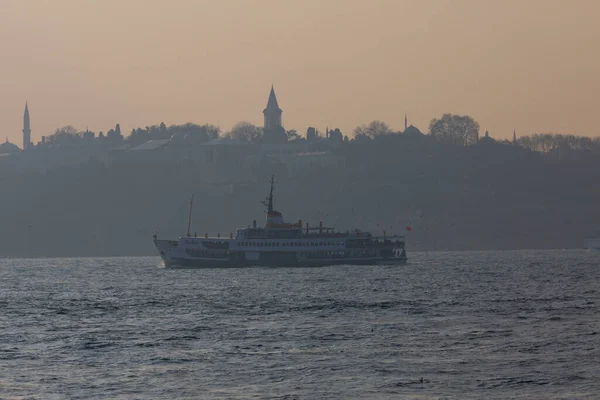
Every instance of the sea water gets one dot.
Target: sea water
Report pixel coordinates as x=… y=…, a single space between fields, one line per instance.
x=472 y=325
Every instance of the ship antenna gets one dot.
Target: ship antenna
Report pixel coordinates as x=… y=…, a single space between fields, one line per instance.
x=190 y=216
x=269 y=201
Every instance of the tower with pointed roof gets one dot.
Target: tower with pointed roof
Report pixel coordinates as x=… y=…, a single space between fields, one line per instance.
x=272 y=112
x=515 y=137
x=26 y=128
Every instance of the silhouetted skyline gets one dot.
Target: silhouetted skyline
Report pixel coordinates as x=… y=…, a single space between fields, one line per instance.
x=459 y=190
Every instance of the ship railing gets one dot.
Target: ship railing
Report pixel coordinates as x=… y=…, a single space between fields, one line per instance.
x=325 y=235
x=207 y=237
x=387 y=237
x=366 y=244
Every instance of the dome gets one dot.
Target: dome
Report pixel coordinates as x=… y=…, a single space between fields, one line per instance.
x=412 y=130
x=8 y=148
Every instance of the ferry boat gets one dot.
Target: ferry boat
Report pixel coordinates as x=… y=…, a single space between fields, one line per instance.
x=281 y=244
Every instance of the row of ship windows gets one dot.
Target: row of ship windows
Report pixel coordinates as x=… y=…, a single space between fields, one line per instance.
x=340 y=254
x=288 y=244
x=203 y=253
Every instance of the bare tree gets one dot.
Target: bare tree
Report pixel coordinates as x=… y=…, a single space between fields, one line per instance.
x=246 y=131
x=373 y=129
x=200 y=133
x=64 y=135
x=292 y=135
x=454 y=129
x=212 y=131
x=547 y=142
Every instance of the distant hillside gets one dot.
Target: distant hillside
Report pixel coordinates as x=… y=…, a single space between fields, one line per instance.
x=454 y=197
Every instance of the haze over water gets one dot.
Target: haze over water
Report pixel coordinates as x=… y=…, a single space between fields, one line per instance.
x=474 y=325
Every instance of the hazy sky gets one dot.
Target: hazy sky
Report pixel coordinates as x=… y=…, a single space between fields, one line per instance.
x=532 y=65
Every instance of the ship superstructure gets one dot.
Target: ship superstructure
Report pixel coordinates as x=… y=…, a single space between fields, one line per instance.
x=281 y=244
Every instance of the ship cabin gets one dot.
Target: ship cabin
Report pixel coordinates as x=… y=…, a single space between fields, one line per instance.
x=276 y=233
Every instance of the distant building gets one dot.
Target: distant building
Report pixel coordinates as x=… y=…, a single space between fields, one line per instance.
x=26 y=129
x=412 y=131
x=8 y=148
x=273 y=129
x=334 y=135
x=486 y=138
x=272 y=112
x=151 y=145
x=87 y=135
x=311 y=134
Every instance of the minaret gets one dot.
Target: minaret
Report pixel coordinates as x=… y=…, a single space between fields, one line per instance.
x=515 y=137
x=26 y=128
x=272 y=112
x=405 y=121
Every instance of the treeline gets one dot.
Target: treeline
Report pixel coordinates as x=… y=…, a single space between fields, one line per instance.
x=549 y=142
x=70 y=136
x=449 y=129
x=201 y=133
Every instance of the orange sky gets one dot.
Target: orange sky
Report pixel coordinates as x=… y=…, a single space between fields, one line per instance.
x=529 y=64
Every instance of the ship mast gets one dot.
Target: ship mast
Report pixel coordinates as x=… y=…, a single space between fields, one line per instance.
x=269 y=201
x=190 y=216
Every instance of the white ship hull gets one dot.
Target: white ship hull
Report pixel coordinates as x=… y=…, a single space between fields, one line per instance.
x=192 y=253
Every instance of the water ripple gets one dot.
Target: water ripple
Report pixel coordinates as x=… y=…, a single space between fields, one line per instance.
x=472 y=325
